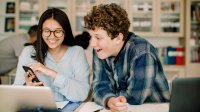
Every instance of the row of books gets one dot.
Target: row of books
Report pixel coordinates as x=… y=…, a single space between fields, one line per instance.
x=172 y=55
x=195 y=12
x=195 y=54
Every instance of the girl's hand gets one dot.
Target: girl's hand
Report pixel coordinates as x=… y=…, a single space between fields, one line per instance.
x=29 y=76
x=37 y=67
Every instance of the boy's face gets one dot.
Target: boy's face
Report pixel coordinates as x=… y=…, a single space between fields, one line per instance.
x=103 y=44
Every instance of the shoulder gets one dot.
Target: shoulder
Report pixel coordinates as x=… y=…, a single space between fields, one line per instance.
x=137 y=40
x=28 y=50
x=137 y=46
x=139 y=43
x=76 y=49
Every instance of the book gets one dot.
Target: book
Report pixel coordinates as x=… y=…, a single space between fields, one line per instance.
x=10 y=7
x=179 y=56
x=171 y=55
x=9 y=24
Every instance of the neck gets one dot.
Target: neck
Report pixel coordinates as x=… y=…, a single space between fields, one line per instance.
x=118 y=48
x=58 y=53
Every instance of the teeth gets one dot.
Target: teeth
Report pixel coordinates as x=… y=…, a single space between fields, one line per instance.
x=52 y=41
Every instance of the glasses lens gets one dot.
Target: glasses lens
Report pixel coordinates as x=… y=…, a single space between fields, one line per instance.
x=58 y=33
x=46 y=33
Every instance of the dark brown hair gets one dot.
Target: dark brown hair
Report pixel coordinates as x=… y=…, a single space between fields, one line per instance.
x=110 y=17
x=83 y=39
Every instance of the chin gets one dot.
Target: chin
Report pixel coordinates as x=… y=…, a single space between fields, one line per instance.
x=102 y=57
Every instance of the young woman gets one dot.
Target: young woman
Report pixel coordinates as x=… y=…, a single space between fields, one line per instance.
x=55 y=59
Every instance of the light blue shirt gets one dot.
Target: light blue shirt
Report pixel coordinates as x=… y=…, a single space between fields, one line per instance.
x=72 y=80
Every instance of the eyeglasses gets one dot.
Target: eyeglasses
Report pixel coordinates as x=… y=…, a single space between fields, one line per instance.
x=57 y=33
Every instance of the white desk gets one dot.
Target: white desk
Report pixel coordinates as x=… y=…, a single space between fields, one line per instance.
x=148 y=107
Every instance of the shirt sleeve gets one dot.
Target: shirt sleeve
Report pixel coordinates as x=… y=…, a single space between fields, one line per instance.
x=102 y=88
x=146 y=82
x=24 y=59
x=75 y=88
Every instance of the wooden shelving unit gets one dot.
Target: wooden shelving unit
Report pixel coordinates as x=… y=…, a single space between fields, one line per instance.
x=27 y=13
x=7 y=16
x=161 y=19
x=193 y=38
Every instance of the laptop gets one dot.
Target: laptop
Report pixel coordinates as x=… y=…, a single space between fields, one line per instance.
x=185 y=95
x=26 y=98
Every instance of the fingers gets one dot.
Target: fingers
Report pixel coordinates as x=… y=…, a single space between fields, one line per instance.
x=37 y=83
x=118 y=104
x=29 y=76
x=122 y=99
x=34 y=83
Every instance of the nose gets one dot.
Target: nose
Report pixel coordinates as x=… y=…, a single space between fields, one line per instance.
x=51 y=36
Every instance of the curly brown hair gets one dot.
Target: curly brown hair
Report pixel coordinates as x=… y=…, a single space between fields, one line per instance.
x=110 y=17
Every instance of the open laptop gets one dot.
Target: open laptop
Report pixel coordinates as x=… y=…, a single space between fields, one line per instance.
x=185 y=95
x=24 y=98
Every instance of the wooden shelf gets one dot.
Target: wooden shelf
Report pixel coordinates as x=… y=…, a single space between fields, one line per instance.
x=192 y=68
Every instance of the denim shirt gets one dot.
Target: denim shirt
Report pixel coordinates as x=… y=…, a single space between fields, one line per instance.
x=136 y=73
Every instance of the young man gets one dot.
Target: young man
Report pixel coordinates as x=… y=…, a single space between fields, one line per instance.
x=126 y=68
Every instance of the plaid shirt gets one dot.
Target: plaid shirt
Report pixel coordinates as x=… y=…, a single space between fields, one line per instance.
x=136 y=73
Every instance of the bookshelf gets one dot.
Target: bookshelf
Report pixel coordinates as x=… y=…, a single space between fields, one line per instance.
x=27 y=13
x=171 y=17
x=163 y=22
x=153 y=18
x=7 y=16
x=81 y=7
x=64 y=5
x=193 y=38
x=142 y=16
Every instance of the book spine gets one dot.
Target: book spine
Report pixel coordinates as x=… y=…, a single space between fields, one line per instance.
x=180 y=56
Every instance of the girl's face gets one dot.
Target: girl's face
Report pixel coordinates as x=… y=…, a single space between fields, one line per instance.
x=52 y=33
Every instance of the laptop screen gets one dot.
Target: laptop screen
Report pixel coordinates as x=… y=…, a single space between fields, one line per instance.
x=185 y=95
x=15 y=98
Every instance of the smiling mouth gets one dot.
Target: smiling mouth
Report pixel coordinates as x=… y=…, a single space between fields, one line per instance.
x=52 y=41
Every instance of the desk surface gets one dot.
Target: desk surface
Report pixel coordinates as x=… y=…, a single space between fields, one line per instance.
x=71 y=106
x=148 y=107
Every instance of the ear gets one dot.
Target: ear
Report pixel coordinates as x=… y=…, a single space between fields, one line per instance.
x=119 y=38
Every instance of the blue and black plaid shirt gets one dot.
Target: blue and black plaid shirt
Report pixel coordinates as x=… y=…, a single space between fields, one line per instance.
x=136 y=73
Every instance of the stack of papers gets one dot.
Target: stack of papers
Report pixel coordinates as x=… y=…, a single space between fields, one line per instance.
x=90 y=107
x=61 y=105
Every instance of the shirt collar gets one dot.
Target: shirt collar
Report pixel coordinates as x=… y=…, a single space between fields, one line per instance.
x=126 y=40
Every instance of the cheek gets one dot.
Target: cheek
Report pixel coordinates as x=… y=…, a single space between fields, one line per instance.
x=108 y=46
x=103 y=44
x=62 y=39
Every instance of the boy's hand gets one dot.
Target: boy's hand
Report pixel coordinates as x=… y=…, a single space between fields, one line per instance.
x=117 y=104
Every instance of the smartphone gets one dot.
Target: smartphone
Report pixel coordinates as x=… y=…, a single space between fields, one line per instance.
x=26 y=68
